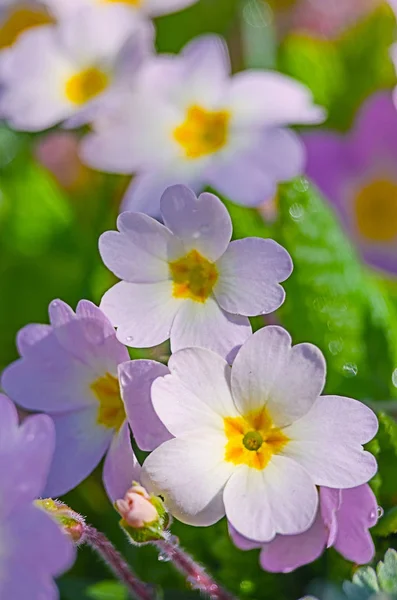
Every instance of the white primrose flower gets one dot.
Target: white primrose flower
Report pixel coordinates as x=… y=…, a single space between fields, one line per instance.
x=66 y=71
x=253 y=441
x=148 y=8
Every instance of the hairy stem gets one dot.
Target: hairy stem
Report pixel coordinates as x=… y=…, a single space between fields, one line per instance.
x=192 y=571
x=102 y=546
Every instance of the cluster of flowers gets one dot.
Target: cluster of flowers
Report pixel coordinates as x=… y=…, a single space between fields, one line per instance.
x=167 y=119
x=236 y=423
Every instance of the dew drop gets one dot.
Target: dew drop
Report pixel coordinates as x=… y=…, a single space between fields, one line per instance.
x=394 y=378
x=302 y=185
x=296 y=211
x=163 y=557
x=196 y=235
x=350 y=370
x=129 y=339
x=380 y=512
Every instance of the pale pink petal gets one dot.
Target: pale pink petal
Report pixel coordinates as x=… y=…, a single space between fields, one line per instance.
x=202 y=224
x=249 y=276
x=268 y=372
x=205 y=324
x=143 y=313
x=281 y=498
x=196 y=395
x=136 y=379
x=357 y=514
x=330 y=502
x=190 y=473
x=139 y=251
x=328 y=440
x=30 y=335
x=288 y=552
x=81 y=442
x=121 y=466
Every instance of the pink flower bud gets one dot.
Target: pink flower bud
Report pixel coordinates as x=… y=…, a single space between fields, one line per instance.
x=136 y=508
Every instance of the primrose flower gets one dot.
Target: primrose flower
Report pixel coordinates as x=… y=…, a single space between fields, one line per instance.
x=184 y=280
x=253 y=441
x=34 y=550
x=357 y=172
x=65 y=71
x=342 y=521
x=70 y=369
x=17 y=16
x=188 y=121
x=147 y=8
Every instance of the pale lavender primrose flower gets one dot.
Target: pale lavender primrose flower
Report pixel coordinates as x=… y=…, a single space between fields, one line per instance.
x=185 y=280
x=189 y=121
x=34 y=550
x=357 y=172
x=70 y=369
x=342 y=521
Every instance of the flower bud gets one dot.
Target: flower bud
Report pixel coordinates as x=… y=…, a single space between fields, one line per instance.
x=144 y=517
x=71 y=522
x=136 y=508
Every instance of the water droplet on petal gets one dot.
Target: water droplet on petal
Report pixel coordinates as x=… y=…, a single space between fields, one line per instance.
x=196 y=235
x=129 y=339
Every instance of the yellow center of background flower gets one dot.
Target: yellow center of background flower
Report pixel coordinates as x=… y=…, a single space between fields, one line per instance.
x=18 y=21
x=203 y=132
x=111 y=412
x=376 y=211
x=87 y=84
x=252 y=439
x=194 y=277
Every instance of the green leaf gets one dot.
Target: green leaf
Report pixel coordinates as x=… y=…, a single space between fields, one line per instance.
x=107 y=590
x=369 y=584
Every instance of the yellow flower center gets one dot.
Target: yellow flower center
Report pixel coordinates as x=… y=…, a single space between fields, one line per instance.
x=18 y=21
x=87 y=84
x=194 y=277
x=111 y=412
x=252 y=439
x=376 y=211
x=203 y=132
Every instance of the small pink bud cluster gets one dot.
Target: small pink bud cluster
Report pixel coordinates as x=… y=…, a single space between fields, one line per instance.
x=136 y=508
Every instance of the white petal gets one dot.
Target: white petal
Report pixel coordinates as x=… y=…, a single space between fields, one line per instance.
x=143 y=313
x=281 y=498
x=327 y=442
x=269 y=98
x=190 y=472
x=196 y=395
x=205 y=324
x=155 y=8
x=249 y=276
x=268 y=372
x=202 y=224
x=139 y=252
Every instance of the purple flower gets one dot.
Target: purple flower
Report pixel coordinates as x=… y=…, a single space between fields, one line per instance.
x=185 y=280
x=34 y=550
x=71 y=370
x=188 y=121
x=357 y=172
x=343 y=520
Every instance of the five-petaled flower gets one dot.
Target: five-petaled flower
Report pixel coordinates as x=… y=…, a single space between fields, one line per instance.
x=77 y=371
x=253 y=441
x=67 y=70
x=187 y=121
x=185 y=280
x=34 y=550
x=342 y=521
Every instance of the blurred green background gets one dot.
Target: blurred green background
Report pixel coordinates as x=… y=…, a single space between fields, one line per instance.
x=48 y=249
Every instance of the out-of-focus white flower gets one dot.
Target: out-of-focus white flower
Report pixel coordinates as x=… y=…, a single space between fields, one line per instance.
x=150 y=8
x=189 y=122
x=67 y=70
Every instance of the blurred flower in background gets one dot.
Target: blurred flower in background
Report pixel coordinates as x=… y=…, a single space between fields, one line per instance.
x=149 y=8
x=319 y=18
x=56 y=72
x=357 y=172
x=17 y=16
x=187 y=121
